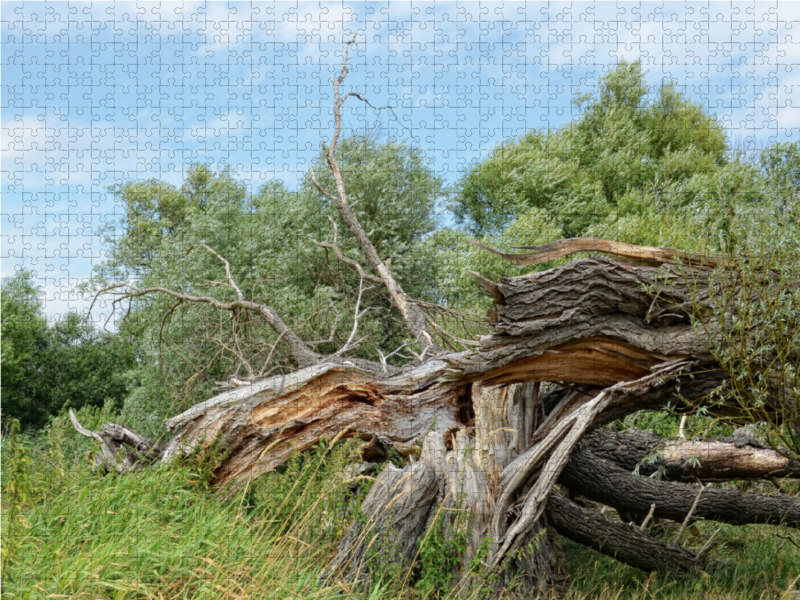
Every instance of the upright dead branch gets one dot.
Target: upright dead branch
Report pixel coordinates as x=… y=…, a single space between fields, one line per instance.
x=414 y=317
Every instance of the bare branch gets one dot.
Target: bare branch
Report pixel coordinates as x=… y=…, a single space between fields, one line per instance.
x=348 y=345
x=337 y=100
x=391 y=354
x=300 y=351
x=690 y=513
x=682 y=428
x=561 y=248
x=318 y=185
x=414 y=317
x=341 y=256
x=706 y=547
x=232 y=283
x=387 y=107
x=649 y=517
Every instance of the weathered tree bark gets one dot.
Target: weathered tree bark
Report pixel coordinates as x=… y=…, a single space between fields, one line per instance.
x=622 y=541
x=605 y=482
x=598 y=339
x=617 y=338
x=263 y=424
x=120 y=448
x=723 y=459
x=591 y=321
x=396 y=510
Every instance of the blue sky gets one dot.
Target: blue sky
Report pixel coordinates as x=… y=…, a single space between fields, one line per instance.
x=95 y=94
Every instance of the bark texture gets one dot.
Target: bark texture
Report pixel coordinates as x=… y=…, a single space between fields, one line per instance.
x=723 y=459
x=261 y=425
x=614 y=335
x=605 y=482
x=396 y=512
x=624 y=542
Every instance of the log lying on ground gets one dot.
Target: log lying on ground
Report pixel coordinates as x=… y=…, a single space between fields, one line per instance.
x=261 y=425
x=622 y=541
x=617 y=336
x=605 y=482
x=723 y=459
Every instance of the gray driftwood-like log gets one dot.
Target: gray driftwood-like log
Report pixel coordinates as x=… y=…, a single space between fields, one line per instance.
x=730 y=458
x=603 y=481
x=120 y=448
x=614 y=334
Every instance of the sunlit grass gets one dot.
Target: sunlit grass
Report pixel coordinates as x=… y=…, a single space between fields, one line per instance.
x=162 y=533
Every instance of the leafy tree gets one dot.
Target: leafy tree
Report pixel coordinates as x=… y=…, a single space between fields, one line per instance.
x=46 y=369
x=268 y=238
x=25 y=342
x=624 y=143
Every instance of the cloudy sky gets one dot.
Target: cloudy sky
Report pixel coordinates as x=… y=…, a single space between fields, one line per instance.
x=95 y=94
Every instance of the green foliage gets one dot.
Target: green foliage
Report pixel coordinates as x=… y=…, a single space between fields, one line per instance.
x=441 y=551
x=45 y=369
x=624 y=144
x=755 y=564
x=16 y=494
x=25 y=341
x=268 y=238
x=754 y=326
x=157 y=533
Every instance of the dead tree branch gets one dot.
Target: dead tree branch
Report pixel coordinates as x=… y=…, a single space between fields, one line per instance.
x=300 y=351
x=624 y=542
x=603 y=481
x=341 y=256
x=561 y=248
x=413 y=316
x=735 y=457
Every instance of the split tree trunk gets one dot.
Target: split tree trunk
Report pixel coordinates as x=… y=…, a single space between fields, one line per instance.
x=617 y=338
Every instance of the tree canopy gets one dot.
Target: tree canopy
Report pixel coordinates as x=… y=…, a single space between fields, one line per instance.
x=642 y=166
x=49 y=368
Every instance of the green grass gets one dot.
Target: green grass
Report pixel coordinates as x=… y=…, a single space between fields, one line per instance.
x=161 y=533
x=753 y=568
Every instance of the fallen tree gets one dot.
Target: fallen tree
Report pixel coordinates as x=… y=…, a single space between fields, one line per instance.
x=608 y=337
x=485 y=436
x=735 y=457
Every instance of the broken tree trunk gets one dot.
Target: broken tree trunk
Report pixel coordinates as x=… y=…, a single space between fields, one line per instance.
x=616 y=336
x=723 y=459
x=603 y=481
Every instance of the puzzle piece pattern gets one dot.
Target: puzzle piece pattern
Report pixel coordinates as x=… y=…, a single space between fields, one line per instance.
x=98 y=94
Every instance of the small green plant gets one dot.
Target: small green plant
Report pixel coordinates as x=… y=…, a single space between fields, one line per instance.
x=751 y=324
x=203 y=461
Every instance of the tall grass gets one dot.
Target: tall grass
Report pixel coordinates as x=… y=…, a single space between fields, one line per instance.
x=162 y=533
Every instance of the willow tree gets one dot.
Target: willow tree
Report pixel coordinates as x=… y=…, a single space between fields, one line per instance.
x=499 y=439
